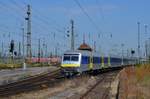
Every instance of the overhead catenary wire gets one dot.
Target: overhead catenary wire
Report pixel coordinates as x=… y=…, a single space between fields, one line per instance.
x=86 y=14
x=40 y=26
x=10 y=10
x=37 y=18
x=45 y=19
x=43 y=26
x=15 y=3
x=100 y=9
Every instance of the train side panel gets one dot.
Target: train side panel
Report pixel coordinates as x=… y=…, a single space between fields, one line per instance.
x=81 y=61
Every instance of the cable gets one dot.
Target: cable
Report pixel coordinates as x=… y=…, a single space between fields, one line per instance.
x=38 y=18
x=44 y=19
x=15 y=3
x=83 y=10
x=10 y=8
x=100 y=9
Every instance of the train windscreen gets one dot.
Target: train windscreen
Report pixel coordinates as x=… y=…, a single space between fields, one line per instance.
x=71 y=58
x=74 y=58
x=66 y=58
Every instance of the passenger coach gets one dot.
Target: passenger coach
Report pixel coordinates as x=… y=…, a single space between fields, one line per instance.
x=80 y=61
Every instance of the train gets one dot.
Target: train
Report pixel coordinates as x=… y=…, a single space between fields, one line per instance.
x=79 y=61
x=49 y=60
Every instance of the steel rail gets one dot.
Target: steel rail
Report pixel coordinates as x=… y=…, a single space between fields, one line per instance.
x=34 y=82
x=103 y=79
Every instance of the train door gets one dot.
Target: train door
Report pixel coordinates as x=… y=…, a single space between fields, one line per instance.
x=109 y=61
x=102 y=61
x=91 y=61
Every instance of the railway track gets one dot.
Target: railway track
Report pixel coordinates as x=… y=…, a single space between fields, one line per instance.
x=29 y=84
x=101 y=89
x=48 y=79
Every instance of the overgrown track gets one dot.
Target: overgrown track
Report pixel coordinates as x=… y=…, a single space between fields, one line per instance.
x=32 y=83
x=101 y=89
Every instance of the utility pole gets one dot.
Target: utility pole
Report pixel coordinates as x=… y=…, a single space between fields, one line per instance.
x=23 y=43
x=46 y=54
x=41 y=53
x=122 y=45
x=148 y=49
x=83 y=38
x=23 y=55
x=56 y=50
x=138 y=23
x=94 y=46
x=19 y=50
x=29 y=50
x=89 y=38
x=146 y=44
x=44 y=48
x=39 y=50
x=2 y=50
x=72 y=35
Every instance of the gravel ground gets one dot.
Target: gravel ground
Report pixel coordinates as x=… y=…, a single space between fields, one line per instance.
x=62 y=90
x=7 y=76
x=67 y=89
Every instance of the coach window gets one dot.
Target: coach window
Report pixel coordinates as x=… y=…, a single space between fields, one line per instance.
x=85 y=60
x=74 y=58
x=66 y=58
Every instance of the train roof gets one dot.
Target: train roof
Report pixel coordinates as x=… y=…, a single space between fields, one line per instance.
x=83 y=52
x=77 y=52
x=96 y=54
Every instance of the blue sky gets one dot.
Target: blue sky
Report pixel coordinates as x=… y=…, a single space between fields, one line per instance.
x=52 y=17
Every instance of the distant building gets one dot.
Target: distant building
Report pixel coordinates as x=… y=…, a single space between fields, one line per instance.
x=85 y=46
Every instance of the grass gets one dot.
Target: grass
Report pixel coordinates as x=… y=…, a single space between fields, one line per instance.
x=146 y=80
x=19 y=65
x=9 y=66
x=135 y=82
x=143 y=73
